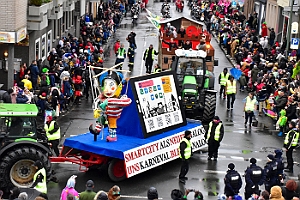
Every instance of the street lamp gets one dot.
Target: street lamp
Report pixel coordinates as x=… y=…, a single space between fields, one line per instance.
x=5 y=54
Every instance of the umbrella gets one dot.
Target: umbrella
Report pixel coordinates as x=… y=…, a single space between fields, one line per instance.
x=270 y=113
x=236 y=73
x=32 y=193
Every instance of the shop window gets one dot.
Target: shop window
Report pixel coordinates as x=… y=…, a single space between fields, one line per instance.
x=37 y=49
x=43 y=47
x=49 y=41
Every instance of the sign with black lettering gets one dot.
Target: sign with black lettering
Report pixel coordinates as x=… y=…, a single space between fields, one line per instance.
x=156 y=153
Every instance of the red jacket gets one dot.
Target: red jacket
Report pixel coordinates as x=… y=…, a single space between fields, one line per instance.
x=117 y=46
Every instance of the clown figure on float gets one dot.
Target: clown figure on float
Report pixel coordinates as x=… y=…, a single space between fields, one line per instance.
x=111 y=102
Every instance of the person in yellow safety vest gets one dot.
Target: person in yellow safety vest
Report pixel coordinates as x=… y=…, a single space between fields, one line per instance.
x=290 y=143
x=185 y=152
x=121 y=55
x=223 y=78
x=214 y=137
x=157 y=69
x=53 y=133
x=149 y=58
x=40 y=178
x=230 y=90
x=249 y=108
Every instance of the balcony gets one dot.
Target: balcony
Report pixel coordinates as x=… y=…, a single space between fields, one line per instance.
x=37 y=23
x=39 y=10
x=56 y=13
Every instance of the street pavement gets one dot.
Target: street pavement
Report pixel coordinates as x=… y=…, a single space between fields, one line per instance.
x=238 y=146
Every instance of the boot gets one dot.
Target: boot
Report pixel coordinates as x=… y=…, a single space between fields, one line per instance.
x=280 y=134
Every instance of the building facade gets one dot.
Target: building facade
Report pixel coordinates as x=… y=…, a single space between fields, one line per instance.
x=28 y=32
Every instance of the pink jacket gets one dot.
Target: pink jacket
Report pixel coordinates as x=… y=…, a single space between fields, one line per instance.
x=67 y=191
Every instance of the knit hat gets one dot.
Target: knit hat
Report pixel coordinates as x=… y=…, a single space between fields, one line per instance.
x=231 y=166
x=276 y=193
x=216 y=118
x=271 y=157
x=237 y=197
x=186 y=133
x=253 y=160
x=101 y=195
x=278 y=153
x=176 y=194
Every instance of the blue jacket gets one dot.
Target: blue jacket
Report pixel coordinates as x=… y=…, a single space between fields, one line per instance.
x=67 y=88
x=21 y=98
x=250 y=178
x=34 y=71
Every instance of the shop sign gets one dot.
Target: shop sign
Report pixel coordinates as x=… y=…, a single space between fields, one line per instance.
x=294 y=27
x=21 y=34
x=7 y=37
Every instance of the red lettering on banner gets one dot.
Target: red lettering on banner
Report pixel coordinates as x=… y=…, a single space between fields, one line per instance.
x=174 y=153
x=141 y=152
x=133 y=168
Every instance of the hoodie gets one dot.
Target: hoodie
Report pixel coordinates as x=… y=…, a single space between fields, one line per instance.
x=70 y=189
x=282 y=119
x=276 y=193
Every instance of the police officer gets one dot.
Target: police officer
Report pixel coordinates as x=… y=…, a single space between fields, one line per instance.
x=233 y=181
x=290 y=143
x=280 y=165
x=53 y=133
x=149 y=58
x=253 y=177
x=249 y=108
x=121 y=55
x=130 y=55
x=214 y=136
x=270 y=173
x=40 y=178
x=223 y=78
x=230 y=90
x=185 y=151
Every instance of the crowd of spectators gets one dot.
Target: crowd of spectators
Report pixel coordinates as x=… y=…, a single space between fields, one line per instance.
x=64 y=77
x=267 y=69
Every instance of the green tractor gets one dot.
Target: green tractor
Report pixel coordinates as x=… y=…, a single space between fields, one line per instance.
x=21 y=144
x=196 y=84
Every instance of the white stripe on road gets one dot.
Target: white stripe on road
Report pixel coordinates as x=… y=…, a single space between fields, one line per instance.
x=237 y=157
x=142 y=65
x=214 y=172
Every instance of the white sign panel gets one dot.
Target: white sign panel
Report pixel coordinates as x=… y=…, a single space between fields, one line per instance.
x=294 y=43
x=294 y=27
x=156 y=153
x=158 y=101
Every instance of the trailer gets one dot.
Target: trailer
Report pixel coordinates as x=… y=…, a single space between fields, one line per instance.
x=149 y=131
x=194 y=33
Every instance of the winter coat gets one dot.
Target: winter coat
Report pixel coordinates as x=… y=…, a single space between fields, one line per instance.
x=281 y=102
x=276 y=193
x=254 y=73
x=291 y=111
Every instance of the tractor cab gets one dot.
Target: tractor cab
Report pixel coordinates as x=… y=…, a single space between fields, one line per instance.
x=196 y=83
x=17 y=122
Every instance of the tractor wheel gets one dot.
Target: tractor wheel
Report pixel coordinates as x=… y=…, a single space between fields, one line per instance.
x=116 y=170
x=16 y=166
x=209 y=107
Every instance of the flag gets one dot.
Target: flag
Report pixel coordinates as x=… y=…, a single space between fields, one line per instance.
x=154 y=16
x=154 y=22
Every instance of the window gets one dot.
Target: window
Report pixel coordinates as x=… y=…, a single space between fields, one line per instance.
x=43 y=47
x=37 y=49
x=18 y=126
x=59 y=28
x=63 y=22
x=49 y=41
x=55 y=29
x=72 y=18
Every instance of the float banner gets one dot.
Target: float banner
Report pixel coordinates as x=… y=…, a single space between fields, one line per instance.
x=161 y=151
